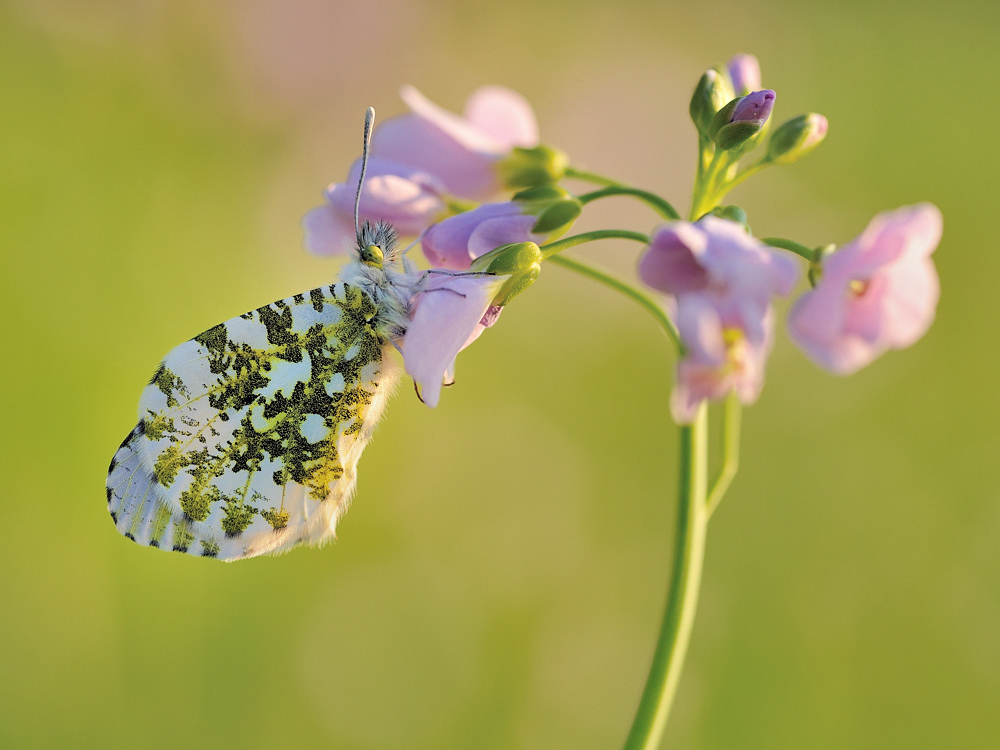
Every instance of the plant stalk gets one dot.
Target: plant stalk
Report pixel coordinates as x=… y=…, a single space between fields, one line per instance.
x=682 y=597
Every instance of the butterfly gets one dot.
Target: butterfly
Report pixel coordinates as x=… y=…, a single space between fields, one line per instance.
x=250 y=433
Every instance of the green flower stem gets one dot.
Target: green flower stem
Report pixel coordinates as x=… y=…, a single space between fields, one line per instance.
x=703 y=157
x=601 y=234
x=580 y=174
x=682 y=597
x=662 y=207
x=806 y=252
x=731 y=417
x=695 y=503
x=705 y=190
x=650 y=304
x=742 y=175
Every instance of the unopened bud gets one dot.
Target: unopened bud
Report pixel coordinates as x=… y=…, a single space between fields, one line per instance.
x=820 y=254
x=744 y=72
x=742 y=118
x=710 y=95
x=796 y=138
x=555 y=208
x=731 y=213
x=522 y=261
x=754 y=107
x=530 y=167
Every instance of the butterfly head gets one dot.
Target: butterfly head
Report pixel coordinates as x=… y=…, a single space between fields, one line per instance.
x=371 y=255
x=377 y=244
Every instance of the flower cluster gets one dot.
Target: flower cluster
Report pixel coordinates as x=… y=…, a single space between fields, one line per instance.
x=426 y=164
x=723 y=281
x=430 y=169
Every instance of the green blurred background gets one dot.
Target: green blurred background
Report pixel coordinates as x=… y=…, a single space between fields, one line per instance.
x=500 y=580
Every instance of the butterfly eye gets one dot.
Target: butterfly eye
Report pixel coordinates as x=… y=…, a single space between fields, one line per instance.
x=371 y=255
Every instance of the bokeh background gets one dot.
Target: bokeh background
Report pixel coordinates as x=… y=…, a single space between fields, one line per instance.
x=500 y=579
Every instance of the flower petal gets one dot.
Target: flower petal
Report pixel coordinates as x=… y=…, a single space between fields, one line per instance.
x=493 y=233
x=327 y=232
x=460 y=129
x=910 y=230
x=404 y=204
x=700 y=327
x=446 y=244
x=912 y=295
x=437 y=141
x=671 y=264
x=504 y=115
x=449 y=309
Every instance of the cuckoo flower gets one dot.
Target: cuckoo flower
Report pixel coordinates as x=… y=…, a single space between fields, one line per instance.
x=406 y=197
x=723 y=280
x=462 y=151
x=450 y=312
x=458 y=240
x=876 y=293
x=720 y=356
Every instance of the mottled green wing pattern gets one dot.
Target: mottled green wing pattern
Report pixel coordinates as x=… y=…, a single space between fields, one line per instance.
x=249 y=434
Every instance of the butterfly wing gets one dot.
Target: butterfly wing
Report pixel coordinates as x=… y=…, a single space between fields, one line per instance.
x=249 y=434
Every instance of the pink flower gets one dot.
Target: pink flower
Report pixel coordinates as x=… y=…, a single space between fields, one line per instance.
x=404 y=196
x=723 y=280
x=461 y=151
x=876 y=293
x=720 y=357
x=450 y=313
x=458 y=240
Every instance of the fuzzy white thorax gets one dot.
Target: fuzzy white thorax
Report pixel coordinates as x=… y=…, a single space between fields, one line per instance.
x=391 y=290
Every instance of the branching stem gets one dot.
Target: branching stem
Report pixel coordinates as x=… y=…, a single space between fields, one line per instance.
x=661 y=206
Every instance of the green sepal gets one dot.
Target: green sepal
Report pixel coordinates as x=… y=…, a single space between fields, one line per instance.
x=736 y=134
x=723 y=117
x=540 y=193
x=458 y=205
x=710 y=95
x=522 y=261
x=530 y=167
x=558 y=217
x=555 y=208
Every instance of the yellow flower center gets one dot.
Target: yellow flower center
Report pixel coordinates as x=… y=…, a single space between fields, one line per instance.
x=736 y=349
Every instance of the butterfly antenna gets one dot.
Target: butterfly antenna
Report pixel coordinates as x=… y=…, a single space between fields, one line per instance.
x=369 y=120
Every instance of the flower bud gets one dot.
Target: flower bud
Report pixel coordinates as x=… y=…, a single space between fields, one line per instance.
x=754 y=107
x=522 y=261
x=744 y=72
x=741 y=119
x=796 y=138
x=711 y=93
x=555 y=208
x=531 y=167
x=731 y=213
